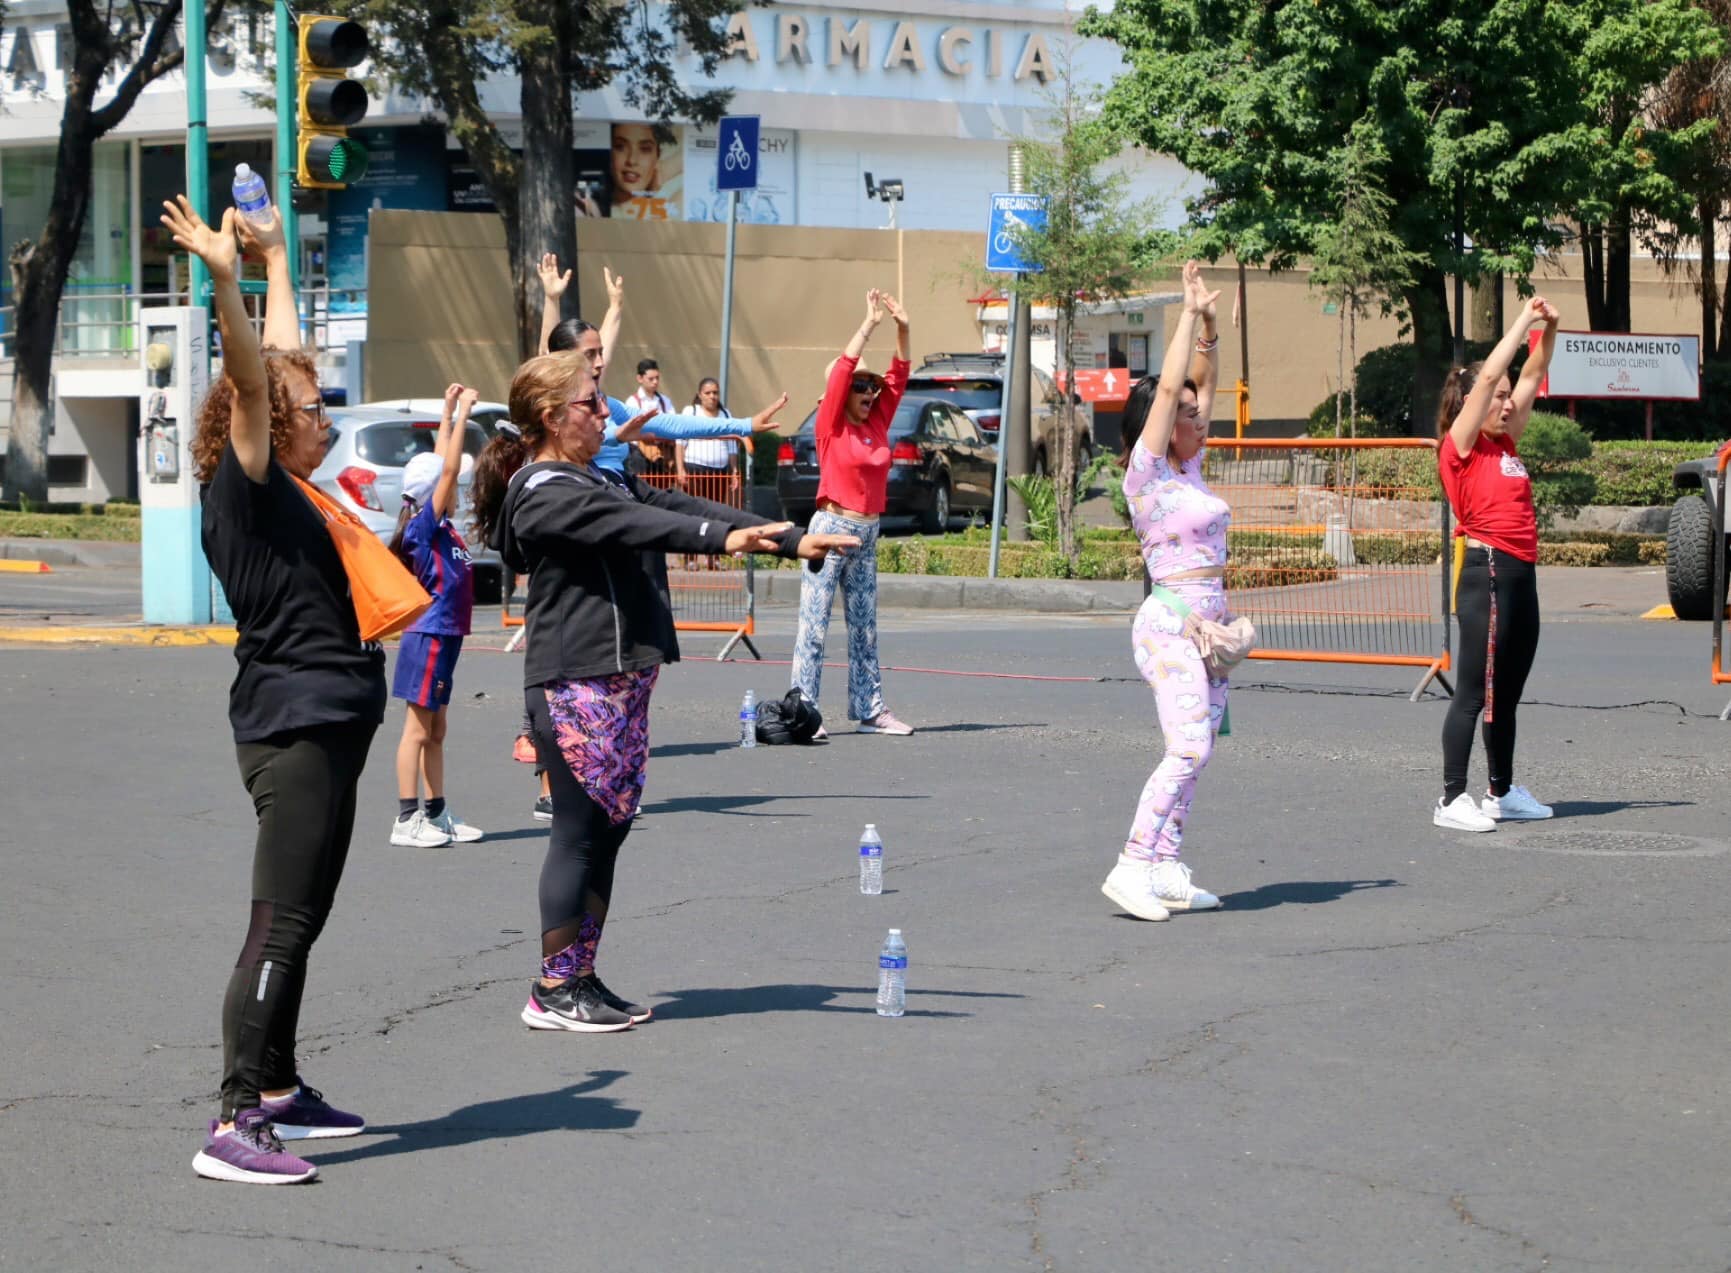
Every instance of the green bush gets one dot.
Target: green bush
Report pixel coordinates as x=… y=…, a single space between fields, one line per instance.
x=1565 y=554
x=1396 y=548
x=69 y=526
x=1321 y=424
x=1639 y=473
x=1389 y=474
x=1280 y=567
x=1553 y=441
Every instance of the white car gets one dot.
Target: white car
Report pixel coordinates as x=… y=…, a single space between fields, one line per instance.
x=485 y=414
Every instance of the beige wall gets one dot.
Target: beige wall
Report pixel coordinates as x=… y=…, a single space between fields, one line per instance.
x=440 y=302
x=440 y=308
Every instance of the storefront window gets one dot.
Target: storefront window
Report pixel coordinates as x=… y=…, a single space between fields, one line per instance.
x=95 y=314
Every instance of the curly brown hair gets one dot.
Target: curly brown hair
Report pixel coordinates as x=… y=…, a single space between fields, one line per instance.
x=214 y=416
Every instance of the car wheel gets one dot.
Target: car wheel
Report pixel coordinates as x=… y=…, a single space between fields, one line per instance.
x=1689 y=558
x=937 y=517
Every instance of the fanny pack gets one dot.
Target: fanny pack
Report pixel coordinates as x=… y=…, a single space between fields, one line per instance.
x=1223 y=646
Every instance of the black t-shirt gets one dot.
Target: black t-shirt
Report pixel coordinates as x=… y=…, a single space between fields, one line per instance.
x=302 y=661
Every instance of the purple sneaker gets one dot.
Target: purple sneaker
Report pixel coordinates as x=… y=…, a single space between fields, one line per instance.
x=251 y=1154
x=304 y=1115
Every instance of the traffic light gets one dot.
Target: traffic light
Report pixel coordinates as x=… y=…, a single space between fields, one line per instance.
x=330 y=103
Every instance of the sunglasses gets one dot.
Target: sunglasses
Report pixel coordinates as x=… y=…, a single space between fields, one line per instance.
x=595 y=405
x=863 y=384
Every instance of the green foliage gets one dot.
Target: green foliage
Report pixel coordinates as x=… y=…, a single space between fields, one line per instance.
x=89 y=526
x=1322 y=421
x=1040 y=496
x=1639 y=473
x=1357 y=257
x=1552 y=441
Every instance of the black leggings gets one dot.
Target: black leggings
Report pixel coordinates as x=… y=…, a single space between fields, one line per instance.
x=302 y=785
x=577 y=877
x=1517 y=595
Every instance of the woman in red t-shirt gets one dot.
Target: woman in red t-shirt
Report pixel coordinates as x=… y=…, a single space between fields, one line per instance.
x=853 y=457
x=1479 y=423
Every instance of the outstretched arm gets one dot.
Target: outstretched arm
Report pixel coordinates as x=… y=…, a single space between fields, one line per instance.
x=455 y=421
x=1533 y=374
x=1470 y=419
x=1205 y=362
x=242 y=359
x=1163 y=411
x=856 y=343
x=282 y=323
x=614 y=319
x=553 y=285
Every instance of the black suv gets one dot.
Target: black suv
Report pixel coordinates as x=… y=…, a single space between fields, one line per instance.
x=975 y=383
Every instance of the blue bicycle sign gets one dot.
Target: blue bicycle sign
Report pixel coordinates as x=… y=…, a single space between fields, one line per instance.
x=736 y=153
x=1012 y=216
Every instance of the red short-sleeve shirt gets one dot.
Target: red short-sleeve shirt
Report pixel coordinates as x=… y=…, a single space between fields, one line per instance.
x=1491 y=495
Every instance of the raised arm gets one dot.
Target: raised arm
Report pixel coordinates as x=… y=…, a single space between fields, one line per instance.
x=614 y=319
x=1533 y=373
x=1205 y=362
x=459 y=400
x=1464 y=431
x=856 y=343
x=553 y=285
x=282 y=321
x=242 y=360
x=1163 y=411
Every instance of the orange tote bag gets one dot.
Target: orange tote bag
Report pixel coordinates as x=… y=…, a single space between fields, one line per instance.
x=387 y=598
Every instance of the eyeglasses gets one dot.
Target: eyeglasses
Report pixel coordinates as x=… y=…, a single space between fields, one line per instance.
x=315 y=409
x=863 y=384
x=595 y=404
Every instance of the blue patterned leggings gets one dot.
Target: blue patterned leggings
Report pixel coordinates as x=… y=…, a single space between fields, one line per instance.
x=856 y=571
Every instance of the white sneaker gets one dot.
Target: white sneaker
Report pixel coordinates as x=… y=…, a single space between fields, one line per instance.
x=461 y=832
x=1461 y=814
x=1517 y=805
x=885 y=723
x=418 y=833
x=1176 y=893
x=1131 y=886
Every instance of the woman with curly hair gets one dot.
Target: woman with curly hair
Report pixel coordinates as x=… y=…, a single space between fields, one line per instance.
x=306 y=698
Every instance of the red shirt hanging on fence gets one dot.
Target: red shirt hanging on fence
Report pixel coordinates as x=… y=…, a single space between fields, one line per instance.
x=854 y=459
x=1491 y=495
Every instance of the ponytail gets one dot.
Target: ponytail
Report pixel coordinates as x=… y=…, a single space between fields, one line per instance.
x=1456 y=387
x=494 y=468
x=405 y=515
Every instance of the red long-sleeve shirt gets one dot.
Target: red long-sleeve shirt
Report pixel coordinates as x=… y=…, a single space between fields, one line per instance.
x=854 y=459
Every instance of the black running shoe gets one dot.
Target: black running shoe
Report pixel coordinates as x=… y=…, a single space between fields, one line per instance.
x=573 y=1004
x=636 y=1011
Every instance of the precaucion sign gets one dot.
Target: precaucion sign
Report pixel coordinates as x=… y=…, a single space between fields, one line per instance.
x=1011 y=212
x=1622 y=365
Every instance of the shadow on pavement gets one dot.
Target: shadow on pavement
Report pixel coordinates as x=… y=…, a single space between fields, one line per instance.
x=741 y=803
x=568 y=1108
x=1299 y=893
x=692 y=749
x=976 y=728
x=1598 y=808
x=745 y=1000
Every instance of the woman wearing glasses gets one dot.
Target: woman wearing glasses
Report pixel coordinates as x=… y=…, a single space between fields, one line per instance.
x=592 y=543
x=307 y=695
x=853 y=456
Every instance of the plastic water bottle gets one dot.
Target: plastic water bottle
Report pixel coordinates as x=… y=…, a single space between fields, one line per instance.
x=893 y=976
x=871 y=862
x=748 y=720
x=251 y=199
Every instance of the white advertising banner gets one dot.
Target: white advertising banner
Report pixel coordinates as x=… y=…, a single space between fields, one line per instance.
x=1623 y=365
x=772 y=203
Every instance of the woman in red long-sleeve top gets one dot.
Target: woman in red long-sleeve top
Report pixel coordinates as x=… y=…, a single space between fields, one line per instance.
x=853 y=456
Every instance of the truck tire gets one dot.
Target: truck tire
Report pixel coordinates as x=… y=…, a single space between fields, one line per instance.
x=1689 y=558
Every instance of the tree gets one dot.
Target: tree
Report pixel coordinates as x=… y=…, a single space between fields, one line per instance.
x=134 y=44
x=1698 y=96
x=1629 y=165
x=1478 y=105
x=1090 y=249
x=445 y=50
x=1359 y=260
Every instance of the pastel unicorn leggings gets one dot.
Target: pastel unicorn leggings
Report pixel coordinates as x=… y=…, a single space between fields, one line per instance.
x=1190 y=703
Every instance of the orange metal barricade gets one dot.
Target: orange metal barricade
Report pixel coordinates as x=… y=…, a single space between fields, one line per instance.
x=1721 y=668
x=1338 y=549
x=710 y=593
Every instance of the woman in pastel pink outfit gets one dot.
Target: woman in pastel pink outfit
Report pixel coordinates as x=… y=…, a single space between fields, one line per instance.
x=1182 y=528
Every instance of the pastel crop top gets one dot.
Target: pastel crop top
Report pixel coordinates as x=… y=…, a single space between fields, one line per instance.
x=1180 y=523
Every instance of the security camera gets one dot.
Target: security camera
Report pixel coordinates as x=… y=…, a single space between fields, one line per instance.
x=890 y=189
x=871 y=190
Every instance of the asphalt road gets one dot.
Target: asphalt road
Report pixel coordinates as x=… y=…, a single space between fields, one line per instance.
x=1395 y=1048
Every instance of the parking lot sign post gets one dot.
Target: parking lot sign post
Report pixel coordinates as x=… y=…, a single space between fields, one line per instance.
x=736 y=165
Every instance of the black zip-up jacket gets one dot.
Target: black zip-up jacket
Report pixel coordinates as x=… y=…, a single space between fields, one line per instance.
x=593 y=548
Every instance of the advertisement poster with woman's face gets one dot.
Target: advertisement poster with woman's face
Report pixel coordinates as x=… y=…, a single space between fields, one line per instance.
x=624 y=171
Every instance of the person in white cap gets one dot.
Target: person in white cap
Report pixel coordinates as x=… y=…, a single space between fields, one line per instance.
x=430 y=546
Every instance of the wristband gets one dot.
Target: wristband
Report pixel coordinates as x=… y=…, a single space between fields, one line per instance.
x=1207 y=346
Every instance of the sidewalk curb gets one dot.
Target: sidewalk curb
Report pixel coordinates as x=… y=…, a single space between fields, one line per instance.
x=71 y=552
x=140 y=635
